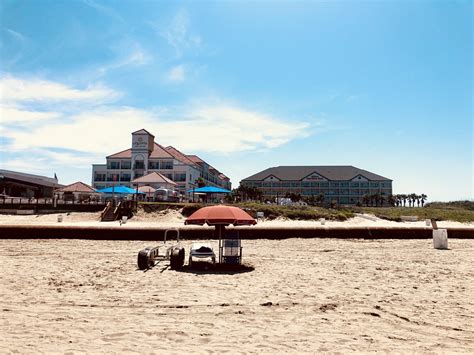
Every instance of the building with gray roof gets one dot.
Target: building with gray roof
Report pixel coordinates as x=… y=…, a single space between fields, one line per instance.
x=345 y=185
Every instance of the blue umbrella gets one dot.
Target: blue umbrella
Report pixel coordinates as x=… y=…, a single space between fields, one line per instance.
x=125 y=190
x=210 y=190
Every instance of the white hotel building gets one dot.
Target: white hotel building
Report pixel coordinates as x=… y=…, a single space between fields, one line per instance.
x=146 y=156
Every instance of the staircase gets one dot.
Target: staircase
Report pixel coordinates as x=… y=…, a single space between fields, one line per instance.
x=109 y=213
x=112 y=212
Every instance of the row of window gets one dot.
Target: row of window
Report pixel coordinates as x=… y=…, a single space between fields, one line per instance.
x=139 y=164
x=329 y=192
x=319 y=184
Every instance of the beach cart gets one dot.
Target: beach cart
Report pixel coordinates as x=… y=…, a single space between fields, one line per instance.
x=174 y=252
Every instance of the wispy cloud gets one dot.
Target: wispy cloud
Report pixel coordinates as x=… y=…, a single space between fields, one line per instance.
x=137 y=57
x=178 y=33
x=17 y=35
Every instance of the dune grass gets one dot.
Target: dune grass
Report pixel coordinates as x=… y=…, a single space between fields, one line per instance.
x=459 y=211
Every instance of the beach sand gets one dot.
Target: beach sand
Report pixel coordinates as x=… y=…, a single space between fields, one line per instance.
x=309 y=295
x=173 y=219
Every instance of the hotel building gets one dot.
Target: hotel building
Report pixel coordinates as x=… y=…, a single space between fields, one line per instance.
x=345 y=185
x=146 y=156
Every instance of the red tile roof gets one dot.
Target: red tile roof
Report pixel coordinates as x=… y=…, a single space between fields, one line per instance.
x=127 y=153
x=179 y=155
x=158 y=152
x=195 y=159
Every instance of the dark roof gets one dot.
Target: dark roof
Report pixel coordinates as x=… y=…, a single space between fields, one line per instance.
x=334 y=172
x=33 y=179
x=141 y=131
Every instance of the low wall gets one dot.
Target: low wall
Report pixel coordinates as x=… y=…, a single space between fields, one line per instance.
x=196 y=233
x=45 y=209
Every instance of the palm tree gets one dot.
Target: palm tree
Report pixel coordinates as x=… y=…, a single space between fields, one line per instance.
x=392 y=200
x=412 y=199
x=382 y=200
x=404 y=197
x=423 y=198
x=366 y=200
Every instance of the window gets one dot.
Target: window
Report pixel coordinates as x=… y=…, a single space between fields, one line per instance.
x=334 y=184
x=285 y=184
x=180 y=177
x=354 y=184
x=99 y=177
x=306 y=184
x=113 y=165
x=315 y=184
x=275 y=184
x=324 y=184
x=169 y=176
x=344 y=184
x=364 y=184
x=139 y=164
x=295 y=184
x=125 y=177
x=166 y=165
x=113 y=177
x=374 y=184
x=126 y=164
x=153 y=165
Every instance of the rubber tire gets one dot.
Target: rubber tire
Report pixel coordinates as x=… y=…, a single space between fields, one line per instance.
x=177 y=258
x=143 y=262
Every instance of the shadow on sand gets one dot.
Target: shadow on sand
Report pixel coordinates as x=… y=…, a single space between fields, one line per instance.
x=221 y=269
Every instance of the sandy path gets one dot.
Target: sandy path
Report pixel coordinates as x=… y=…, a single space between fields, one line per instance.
x=336 y=295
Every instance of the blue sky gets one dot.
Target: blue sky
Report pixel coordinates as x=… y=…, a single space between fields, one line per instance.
x=384 y=86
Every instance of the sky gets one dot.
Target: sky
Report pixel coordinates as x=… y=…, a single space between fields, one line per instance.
x=385 y=86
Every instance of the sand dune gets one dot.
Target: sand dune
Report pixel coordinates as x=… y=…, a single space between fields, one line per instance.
x=302 y=296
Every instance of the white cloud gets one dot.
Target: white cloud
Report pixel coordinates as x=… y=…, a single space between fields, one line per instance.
x=218 y=129
x=177 y=74
x=11 y=114
x=14 y=90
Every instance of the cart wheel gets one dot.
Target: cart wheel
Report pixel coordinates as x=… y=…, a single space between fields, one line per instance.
x=177 y=258
x=143 y=261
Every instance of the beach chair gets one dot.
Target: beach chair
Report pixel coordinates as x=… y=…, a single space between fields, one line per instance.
x=201 y=251
x=231 y=251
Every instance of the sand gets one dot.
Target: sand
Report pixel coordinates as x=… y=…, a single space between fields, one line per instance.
x=297 y=296
x=313 y=295
x=173 y=219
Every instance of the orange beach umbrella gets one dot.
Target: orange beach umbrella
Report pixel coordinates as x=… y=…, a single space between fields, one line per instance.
x=221 y=215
